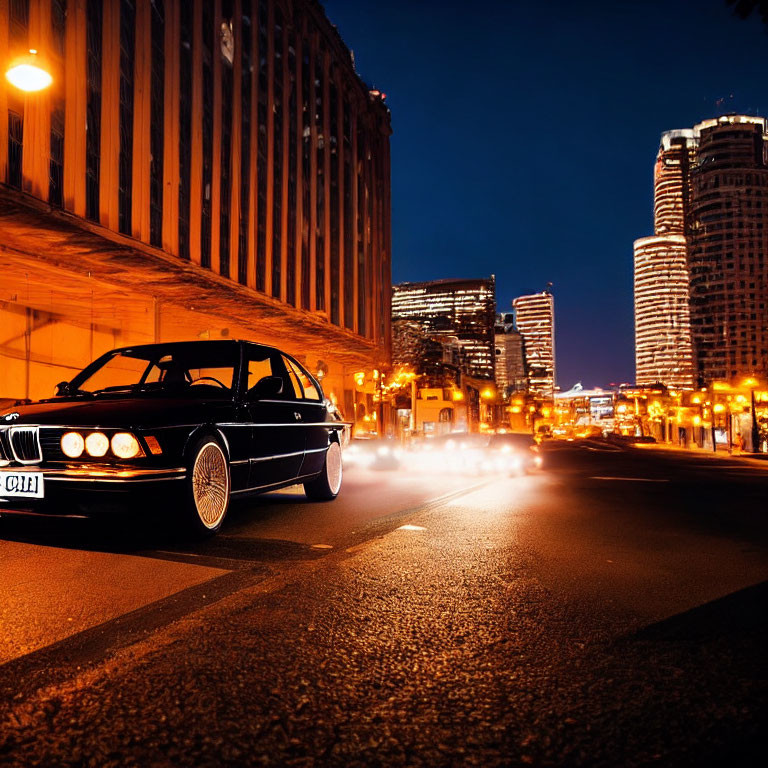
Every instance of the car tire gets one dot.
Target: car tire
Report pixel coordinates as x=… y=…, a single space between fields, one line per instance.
x=208 y=487
x=327 y=484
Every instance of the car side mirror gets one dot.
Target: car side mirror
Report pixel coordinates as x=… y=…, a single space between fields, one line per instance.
x=62 y=389
x=269 y=386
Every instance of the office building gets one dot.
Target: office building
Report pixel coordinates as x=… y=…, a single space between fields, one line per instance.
x=461 y=308
x=710 y=205
x=728 y=248
x=535 y=320
x=662 y=320
x=197 y=169
x=510 y=356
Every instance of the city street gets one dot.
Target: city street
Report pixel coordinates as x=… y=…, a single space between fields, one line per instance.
x=607 y=611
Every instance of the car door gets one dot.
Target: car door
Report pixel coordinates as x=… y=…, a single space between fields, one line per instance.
x=312 y=410
x=277 y=445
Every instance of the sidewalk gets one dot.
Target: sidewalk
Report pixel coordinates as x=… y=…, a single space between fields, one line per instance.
x=758 y=459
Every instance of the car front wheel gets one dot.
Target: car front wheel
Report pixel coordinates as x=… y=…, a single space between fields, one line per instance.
x=209 y=487
x=327 y=484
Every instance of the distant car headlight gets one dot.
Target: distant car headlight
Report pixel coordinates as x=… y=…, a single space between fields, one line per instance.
x=97 y=444
x=383 y=450
x=72 y=444
x=538 y=461
x=125 y=446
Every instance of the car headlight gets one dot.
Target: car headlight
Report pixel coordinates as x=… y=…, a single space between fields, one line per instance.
x=72 y=444
x=97 y=444
x=125 y=446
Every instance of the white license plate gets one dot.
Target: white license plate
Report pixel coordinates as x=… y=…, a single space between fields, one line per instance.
x=21 y=484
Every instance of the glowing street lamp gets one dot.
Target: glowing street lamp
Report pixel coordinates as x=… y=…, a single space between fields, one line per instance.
x=27 y=75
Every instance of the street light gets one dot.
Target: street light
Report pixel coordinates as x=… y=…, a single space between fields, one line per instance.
x=26 y=73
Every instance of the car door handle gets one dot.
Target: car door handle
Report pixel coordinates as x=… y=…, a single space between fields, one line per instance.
x=297 y=415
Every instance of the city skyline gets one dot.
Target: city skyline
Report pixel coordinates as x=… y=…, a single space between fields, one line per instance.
x=486 y=187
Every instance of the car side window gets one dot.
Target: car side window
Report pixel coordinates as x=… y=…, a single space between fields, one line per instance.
x=307 y=385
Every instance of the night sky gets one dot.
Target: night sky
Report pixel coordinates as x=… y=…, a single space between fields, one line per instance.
x=524 y=137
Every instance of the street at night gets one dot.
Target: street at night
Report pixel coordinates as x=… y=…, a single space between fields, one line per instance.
x=606 y=611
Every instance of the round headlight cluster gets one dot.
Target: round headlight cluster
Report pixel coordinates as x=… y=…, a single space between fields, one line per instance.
x=96 y=444
x=72 y=444
x=124 y=445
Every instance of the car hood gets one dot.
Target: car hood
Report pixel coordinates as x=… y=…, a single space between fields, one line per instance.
x=125 y=412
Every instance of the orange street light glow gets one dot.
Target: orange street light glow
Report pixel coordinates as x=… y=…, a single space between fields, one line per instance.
x=26 y=75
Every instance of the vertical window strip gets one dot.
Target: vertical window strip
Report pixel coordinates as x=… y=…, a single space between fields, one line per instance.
x=277 y=195
x=157 y=117
x=205 y=223
x=56 y=163
x=94 y=18
x=362 y=275
x=333 y=107
x=127 y=61
x=306 y=168
x=227 y=83
x=349 y=221
x=15 y=148
x=319 y=108
x=292 y=175
x=263 y=116
x=185 y=124
x=245 y=143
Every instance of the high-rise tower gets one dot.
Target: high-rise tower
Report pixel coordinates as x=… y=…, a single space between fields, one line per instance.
x=701 y=283
x=728 y=248
x=662 y=322
x=535 y=319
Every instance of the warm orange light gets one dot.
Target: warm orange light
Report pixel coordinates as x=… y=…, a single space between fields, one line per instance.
x=458 y=395
x=719 y=408
x=546 y=412
x=696 y=399
x=487 y=394
x=720 y=386
x=516 y=409
x=696 y=420
x=750 y=382
x=26 y=74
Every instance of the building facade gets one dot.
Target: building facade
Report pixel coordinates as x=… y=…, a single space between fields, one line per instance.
x=464 y=309
x=701 y=283
x=510 y=356
x=535 y=320
x=662 y=320
x=728 y=248
x=197 y=169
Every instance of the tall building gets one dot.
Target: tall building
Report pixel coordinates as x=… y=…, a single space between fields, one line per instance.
x=461 y=308
x=728 y=248
x=510 y=356
x=701 y=283
x=198 y=169
x=662 y=321
x=663 y=350
x=535 y=319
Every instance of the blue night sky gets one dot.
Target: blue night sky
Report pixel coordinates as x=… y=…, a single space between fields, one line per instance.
x=524 y=137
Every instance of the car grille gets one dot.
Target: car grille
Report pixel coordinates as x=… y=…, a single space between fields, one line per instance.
x=25 y=444
x=5 y=448
x=50 y=442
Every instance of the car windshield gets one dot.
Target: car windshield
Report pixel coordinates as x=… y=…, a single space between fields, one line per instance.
x=189 y=369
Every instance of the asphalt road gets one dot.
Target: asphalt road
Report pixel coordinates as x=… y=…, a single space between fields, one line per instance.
x=607 y=612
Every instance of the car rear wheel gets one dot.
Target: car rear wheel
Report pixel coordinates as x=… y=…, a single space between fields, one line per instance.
x=209 y=487
x=327 y=484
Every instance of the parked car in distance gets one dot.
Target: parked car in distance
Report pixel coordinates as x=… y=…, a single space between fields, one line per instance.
x=182 y=425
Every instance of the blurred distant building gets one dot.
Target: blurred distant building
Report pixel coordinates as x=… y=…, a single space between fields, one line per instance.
x=701 y=282
x=464 y=309
x=196 y=170
x=535 y=320
x=510 y=356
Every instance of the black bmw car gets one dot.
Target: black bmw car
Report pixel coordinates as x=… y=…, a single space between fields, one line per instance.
x=185 y=425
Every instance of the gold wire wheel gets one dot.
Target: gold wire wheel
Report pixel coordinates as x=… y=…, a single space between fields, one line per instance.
x=333 y=467
x=210 y=485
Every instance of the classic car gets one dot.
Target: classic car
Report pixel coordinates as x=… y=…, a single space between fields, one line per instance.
x=177 y=427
